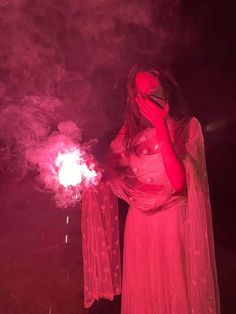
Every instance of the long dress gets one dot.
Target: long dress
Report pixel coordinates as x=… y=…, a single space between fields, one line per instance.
x=169 y=264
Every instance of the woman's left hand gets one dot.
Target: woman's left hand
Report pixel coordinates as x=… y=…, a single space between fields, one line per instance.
x=151 y=111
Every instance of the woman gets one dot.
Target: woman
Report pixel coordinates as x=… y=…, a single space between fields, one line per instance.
x=157 y=164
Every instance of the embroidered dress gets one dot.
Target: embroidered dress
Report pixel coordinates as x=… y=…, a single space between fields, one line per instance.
x=169 y=264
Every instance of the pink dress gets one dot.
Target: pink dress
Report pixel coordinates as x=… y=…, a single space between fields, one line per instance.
x=169 y=264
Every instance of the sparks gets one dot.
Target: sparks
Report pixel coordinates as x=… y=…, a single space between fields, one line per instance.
x=65 y=166
x=72 y=168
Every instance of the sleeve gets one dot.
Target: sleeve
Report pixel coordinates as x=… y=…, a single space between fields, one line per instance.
x=100 y=244
x=116 y=153
x=198 y=231
x=100 y=234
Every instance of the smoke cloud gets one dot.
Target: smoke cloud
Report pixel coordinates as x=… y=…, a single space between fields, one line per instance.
x=68 y=60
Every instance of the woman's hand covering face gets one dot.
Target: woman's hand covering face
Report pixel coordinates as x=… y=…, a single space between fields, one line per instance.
x=152 y=104
x=151 y=111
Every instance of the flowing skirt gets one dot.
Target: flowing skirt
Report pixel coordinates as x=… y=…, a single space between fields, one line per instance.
x=154 y=271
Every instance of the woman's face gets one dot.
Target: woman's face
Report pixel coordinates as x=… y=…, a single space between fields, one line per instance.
x=146 y=84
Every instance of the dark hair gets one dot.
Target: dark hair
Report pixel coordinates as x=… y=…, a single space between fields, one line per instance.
x=135 y=122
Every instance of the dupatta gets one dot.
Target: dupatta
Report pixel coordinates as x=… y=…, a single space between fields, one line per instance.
x=100 y=227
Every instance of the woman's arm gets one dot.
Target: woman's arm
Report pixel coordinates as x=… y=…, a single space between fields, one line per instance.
x=173 y=165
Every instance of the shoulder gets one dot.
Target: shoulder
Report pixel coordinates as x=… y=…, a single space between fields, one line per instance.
x=193 y=130
x=187 y=129
x=122 y=131
x=194 y=127
x=190 y=124
x=117 y=142
x=195 y=123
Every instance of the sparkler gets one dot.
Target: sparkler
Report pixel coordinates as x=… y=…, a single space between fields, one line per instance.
x=74 y=174
x=73 y=169
x=65 y=167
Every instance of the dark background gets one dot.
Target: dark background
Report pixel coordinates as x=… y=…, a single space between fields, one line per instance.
x=74 y=56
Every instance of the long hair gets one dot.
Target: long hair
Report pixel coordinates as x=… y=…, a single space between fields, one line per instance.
x=135 y=122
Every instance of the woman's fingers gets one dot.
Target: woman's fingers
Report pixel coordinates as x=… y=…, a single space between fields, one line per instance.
x=150 y=110
x=166 y=108
x=153 y=108
x=145 y=103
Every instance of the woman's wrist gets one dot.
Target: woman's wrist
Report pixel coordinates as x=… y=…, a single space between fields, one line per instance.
x=162 y=131
x=160 y=123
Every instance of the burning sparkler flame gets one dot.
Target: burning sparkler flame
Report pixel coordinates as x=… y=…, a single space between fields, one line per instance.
x=66 y=167
x=72 y=168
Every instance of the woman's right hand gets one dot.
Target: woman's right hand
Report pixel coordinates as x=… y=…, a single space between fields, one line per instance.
x=92 y=164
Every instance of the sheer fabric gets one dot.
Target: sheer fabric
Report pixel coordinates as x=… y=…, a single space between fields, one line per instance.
x=197 y=231
x=100 y=245
x=169 y=264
